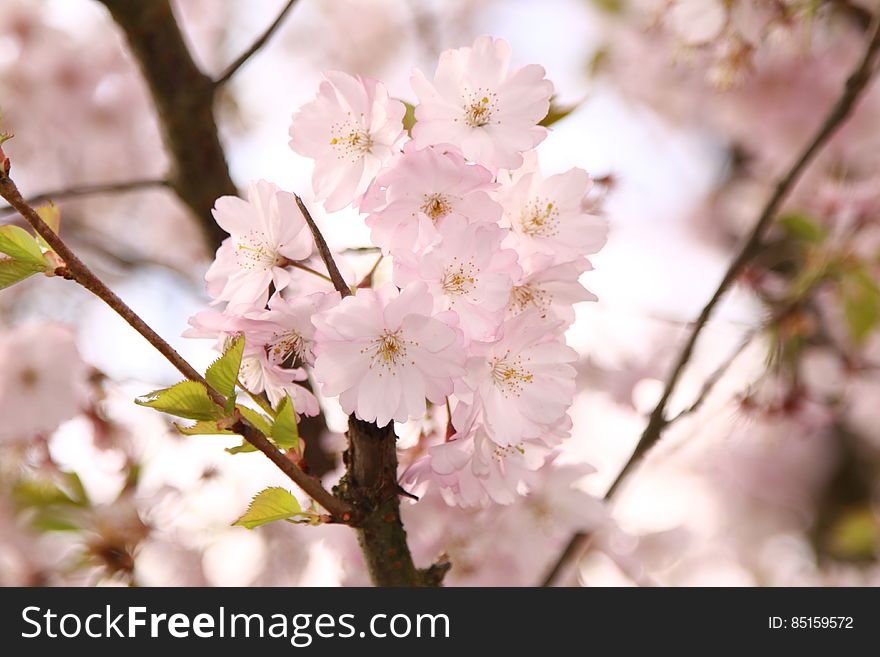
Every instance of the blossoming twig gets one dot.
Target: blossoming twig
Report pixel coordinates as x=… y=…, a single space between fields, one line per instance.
x=324 y=251
x=657 y=422
x=78 y=271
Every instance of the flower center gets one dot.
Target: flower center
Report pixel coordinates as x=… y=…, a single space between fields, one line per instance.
x=523 y=296
x=509 y=375
x=459 y=278
x=500 y=453
x=28 y=377
x=436 y=206
x=351 y=141
x=287 y=349
x=387 y=351
x=253 y=252
x=540 y=218
x=480 y=107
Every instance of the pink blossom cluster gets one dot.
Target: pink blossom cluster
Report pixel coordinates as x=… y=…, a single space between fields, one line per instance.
x=486 y=253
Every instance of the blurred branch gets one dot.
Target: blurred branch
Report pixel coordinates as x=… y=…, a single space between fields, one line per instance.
x=713 y=379
x=184 y=99
x=657 y=422
x=76 y=270
x=89 y=190
x=232 y=69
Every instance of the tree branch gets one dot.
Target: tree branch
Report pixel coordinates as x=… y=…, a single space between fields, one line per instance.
x=89 y=190
x=657 y=422
x=184 y=99
x=370 y=483
x=77 y=270
x=242 y=59
x=324 y=251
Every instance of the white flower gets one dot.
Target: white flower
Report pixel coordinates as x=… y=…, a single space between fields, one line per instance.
x=266 y=232
x=383 y=352
x=351 y=130
x=477 y=104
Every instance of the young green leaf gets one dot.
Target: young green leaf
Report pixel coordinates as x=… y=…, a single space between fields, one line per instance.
x=285 y=433
x=202 y=428
x=51 y=216
x=13 y=271
x=409 y=117
x=861 y=304
x=257 y=419
x=557 y=112
x=187 y=399
x=223 y=372
x=268 y=506
x=18 y=244
x=244 y=448
x=802 y=227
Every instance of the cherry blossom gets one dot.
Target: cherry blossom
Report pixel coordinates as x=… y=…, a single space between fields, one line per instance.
x=351 y=130
x=523 y=382
x=259 y=374
x=44 y=382
x=476 y=103
x=552 y=289
x=266 y=232
x=548 y=215
x=410 y=200
x=384 y=351
x=467 y=271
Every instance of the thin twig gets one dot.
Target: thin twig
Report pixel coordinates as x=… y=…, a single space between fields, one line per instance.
x=242 y=59
x=367 y=280
x=90 y=190
x=713 y=379
x=853 y=90
x=314 y=272
x=77 y=270
x=324 y=251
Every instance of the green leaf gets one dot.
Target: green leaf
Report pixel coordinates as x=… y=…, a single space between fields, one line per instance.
x=802 y=227
x=285 y=433
x=557 y=112
x=861 y=304
x=269 y=505
x=13 y=271
x=41 y=493
x=257 y=419
x=202 y=428
x=409 y=118
x=54 y=520
x=223 y=372
x=187 y=399
x=18 y=244
x=51 y=216
x=244 y=448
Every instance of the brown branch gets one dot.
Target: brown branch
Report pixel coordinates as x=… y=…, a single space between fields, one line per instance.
x=77 y=270
x=90 y=190
x=657 y=422
x=370 y=483
x=242 y=59
x=324 y=251
x=184 y=99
